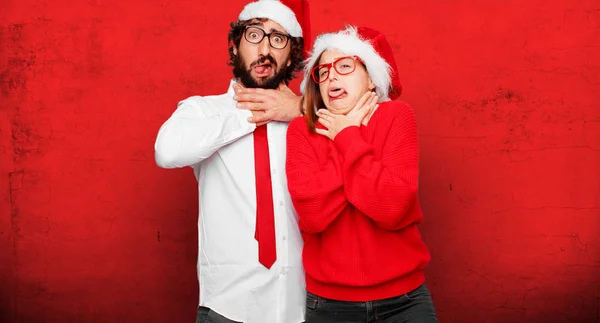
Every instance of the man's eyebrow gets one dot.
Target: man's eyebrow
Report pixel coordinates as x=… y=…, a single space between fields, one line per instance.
x=274 y=30
x=261 y=24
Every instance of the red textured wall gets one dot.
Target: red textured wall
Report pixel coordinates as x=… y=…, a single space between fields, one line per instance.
x=506 y=97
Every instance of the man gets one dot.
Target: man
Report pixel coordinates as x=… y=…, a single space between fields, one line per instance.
x=249 y=255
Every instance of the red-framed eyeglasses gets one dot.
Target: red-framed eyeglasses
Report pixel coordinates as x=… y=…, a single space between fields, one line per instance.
x=343 y=66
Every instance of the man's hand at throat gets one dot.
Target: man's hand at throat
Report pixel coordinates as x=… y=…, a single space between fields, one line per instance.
x=268 y=105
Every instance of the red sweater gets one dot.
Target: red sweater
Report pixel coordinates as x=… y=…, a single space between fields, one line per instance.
x=356 y=199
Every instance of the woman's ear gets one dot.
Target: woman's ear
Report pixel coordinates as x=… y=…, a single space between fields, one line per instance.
x=371 y=85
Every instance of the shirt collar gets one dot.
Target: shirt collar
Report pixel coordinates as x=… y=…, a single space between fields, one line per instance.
x=230 y=91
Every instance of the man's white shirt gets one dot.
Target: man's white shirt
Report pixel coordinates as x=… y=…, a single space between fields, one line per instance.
x=214 y=137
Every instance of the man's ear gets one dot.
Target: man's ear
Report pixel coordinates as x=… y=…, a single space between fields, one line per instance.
x=234 y=50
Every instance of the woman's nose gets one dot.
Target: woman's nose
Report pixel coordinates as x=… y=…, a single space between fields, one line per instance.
x=332 y=74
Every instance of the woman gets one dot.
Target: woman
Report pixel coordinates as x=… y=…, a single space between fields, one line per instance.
x=352 y=167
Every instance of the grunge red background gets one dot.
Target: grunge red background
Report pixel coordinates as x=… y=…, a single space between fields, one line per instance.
x=507 y=100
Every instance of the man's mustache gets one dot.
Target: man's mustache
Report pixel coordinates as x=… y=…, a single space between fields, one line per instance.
x=263 y=59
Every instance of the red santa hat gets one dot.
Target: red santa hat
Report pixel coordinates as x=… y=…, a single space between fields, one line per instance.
x=292 y=15
x=372 y=48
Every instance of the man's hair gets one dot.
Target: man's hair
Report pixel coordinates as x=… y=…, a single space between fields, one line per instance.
x=296 y=50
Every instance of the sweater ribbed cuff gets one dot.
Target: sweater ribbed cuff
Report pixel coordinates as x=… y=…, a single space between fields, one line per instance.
x=346 y=138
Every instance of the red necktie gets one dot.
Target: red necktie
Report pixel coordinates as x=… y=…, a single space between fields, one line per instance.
x=265 y=219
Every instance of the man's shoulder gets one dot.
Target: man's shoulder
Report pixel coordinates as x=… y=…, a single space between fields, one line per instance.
x=204 y=99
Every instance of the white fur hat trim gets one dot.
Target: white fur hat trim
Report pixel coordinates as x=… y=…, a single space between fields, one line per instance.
x=349 y=42
x=273 y=10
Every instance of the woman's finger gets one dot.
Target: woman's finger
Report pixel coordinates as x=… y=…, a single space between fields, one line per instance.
x=370 y=101
x=362 y=101
x=324 y=112
x=369 y=104
x=322 y=132
x=366 y=119
x=374 y=99
x=363 y=112
x=325 y=123
x=326 y=117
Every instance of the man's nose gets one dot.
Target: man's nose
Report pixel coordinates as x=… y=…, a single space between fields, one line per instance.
x=264 y=48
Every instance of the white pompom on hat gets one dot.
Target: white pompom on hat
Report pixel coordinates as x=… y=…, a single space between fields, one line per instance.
x=372 y=48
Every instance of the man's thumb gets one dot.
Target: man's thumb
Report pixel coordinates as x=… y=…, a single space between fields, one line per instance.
x=284 y=87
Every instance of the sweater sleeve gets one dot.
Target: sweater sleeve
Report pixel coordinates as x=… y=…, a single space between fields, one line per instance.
x=196 y=130
x=316 y=190
x=382 y=187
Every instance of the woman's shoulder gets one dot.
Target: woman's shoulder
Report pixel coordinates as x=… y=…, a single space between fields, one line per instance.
x=394 y=108
x=299 y=124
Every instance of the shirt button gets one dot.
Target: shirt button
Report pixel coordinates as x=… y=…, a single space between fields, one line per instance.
x=274 y=171
x=280 y=203
x=284 y=238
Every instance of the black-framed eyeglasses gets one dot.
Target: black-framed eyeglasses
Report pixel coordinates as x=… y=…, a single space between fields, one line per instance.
x=255 y=35
x=343 y=66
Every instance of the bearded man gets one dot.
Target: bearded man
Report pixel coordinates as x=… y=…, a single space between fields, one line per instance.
x=249 y=253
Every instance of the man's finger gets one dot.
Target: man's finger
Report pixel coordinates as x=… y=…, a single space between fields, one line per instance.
x=238 y=88
x=256 y=91
x=241 y=96
x=285 y=88
x=253 y=97
x=258 y=119
x=249 y=106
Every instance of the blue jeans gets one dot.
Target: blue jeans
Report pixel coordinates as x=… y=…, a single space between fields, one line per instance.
x=414 y=307
x=206 y=315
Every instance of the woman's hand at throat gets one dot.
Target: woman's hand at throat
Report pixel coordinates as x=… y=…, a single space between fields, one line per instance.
x=335 y=123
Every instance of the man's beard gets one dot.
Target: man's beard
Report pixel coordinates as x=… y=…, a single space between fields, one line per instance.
x=245 y=76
